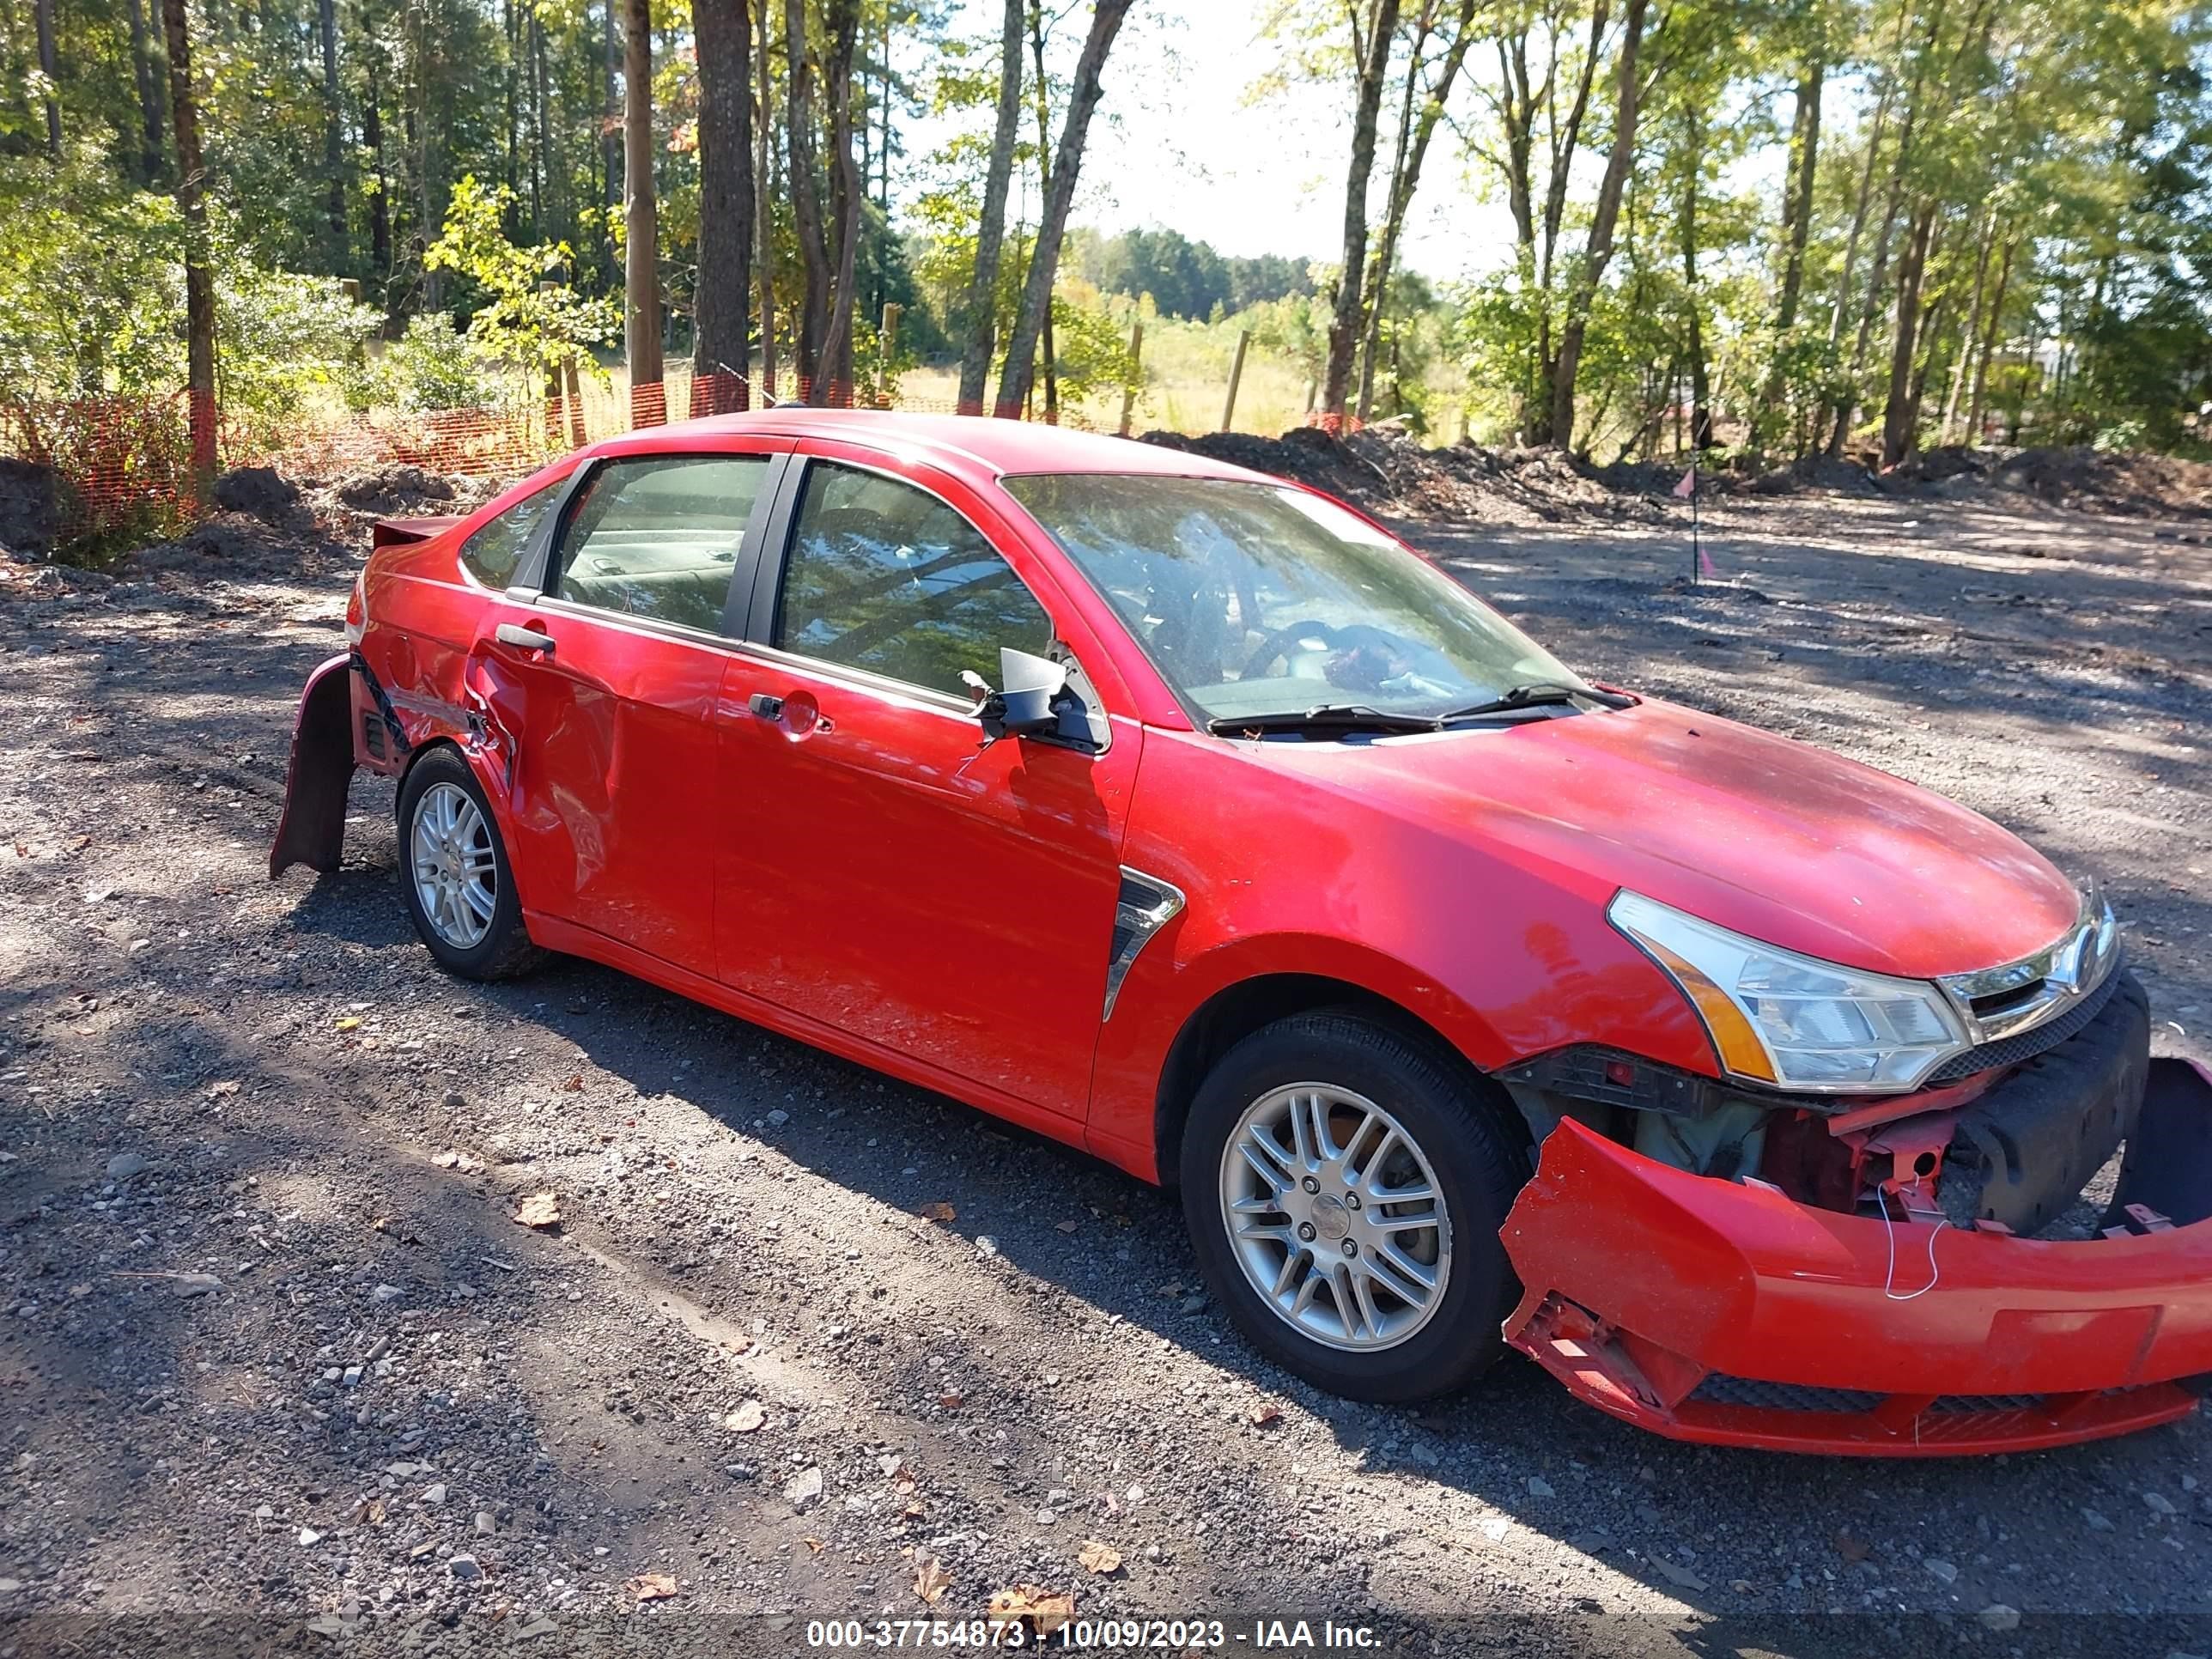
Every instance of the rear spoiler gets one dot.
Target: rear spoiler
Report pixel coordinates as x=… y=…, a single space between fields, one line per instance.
x=399 y=532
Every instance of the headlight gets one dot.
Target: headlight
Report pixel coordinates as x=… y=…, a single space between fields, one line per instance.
x=1795 y=1022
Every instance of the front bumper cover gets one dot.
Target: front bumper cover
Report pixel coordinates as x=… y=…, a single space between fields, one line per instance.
x=1731 y=1314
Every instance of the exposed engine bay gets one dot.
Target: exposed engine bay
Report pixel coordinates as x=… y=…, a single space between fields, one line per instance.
x=2008 y=1148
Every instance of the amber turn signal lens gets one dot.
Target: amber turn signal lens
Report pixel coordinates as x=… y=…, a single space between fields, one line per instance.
x=1738 y=1045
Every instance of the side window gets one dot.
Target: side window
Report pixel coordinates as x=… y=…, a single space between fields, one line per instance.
x=658 y=537
x=887 y=577
x=497 y=547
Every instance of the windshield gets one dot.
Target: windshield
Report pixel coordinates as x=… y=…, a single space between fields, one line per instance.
x=1255 y=599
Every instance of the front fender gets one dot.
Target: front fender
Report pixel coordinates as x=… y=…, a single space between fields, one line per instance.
x=311 y=830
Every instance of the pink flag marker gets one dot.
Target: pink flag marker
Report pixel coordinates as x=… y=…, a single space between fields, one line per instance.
x=1689 y=488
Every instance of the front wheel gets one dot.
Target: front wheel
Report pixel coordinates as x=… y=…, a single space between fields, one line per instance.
x=453 y=870
x=1344 y=1187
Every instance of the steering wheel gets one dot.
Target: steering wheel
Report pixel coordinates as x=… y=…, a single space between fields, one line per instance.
x=1278 y=644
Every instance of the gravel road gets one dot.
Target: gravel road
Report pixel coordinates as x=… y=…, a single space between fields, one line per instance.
x=277 y=1365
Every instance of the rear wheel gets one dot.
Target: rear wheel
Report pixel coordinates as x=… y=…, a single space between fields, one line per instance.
x=454 y=872
x=1344 y=1187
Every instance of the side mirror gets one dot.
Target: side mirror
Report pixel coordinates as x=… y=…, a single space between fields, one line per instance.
x=1024 y=708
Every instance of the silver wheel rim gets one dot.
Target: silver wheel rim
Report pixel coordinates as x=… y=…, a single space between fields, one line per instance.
x=1335 y=1215
x=456 y=872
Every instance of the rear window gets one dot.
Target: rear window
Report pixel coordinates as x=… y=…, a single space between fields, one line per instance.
x=494 y=552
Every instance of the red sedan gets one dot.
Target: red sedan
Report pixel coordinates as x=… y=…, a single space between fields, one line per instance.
x=1182 y=813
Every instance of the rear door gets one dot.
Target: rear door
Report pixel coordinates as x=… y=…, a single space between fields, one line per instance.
x=881 y=872
x=609 y=680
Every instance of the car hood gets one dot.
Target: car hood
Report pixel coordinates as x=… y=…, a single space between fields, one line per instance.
x=1780 y=841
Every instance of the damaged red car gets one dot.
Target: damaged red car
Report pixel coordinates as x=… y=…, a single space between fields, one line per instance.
x=1183 y=814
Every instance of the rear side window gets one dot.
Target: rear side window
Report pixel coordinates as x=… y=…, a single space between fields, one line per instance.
x=885 y=577
x=496 y=548
x=658 y=537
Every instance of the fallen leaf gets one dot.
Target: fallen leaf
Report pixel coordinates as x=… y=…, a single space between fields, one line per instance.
x=574 y=1086
x=814 y=1544
x=540 y=1210
x=1099 y=1557
x=349 y=1023
x=1066 y=1226
x=747 y=1417
x=22 y=851
x=931 y=1580
x=1850 y=1548
x=217 y=1091
x=1265 y=1413
x=951 y=1402
x=939 y=1211
x=1043 y=1610
x=650 y=1587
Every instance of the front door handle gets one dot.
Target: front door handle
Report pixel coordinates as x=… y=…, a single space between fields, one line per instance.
x=529 y=639
x=767 y=708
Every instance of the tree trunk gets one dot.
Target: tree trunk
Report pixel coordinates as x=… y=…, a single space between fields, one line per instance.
x=1371 y=57
x=1864 y=199
x=611 y=126
x=1796 y=228
x=723 y=302
x=764 y=214
x=1044 y=193
x=844 y=21
x=380 y=204
x=1599 y=248
x=980 y=313
x=148 y=79
x=1067 y=160
x=42 y=12
x=1701 y=414
x=806 y=202
x=1972 y=335
x=1406 y=178
x=1898 y=437
x=1988 y=343
x=199 y=280
x=1870 y=306
x=641 y=267
x=333 y=129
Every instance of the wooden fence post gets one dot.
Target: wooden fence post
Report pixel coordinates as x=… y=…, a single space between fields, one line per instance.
x=1236 y=373
x=1136 y=371
x=887 y=348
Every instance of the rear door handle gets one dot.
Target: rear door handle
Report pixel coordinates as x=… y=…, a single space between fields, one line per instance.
x=529 y=639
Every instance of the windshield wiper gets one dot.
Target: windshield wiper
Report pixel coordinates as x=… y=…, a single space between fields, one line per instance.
x=1538 y=694
x=1322 y=716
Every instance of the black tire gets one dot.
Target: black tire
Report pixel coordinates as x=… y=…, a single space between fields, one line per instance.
x=505 y=950
x=1479 y=1161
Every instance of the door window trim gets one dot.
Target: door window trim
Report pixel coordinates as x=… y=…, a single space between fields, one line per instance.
x=783 y=536
x=539 y=562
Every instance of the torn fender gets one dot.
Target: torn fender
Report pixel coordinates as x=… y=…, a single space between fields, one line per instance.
x=311 y=829
x=1711 y=1310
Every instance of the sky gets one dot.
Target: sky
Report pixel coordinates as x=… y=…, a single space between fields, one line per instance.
x=1181 y=142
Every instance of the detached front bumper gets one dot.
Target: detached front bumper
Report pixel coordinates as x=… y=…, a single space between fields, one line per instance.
x=1710 y=1311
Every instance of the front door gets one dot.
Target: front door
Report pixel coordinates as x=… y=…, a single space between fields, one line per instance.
x=608 y=682
x=881 y=872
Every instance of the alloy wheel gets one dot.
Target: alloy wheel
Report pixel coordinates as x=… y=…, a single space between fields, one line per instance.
x=455 y=872
x=1335 y=1215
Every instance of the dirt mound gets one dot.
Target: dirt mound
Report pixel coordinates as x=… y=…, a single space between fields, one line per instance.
x=30 y=506
x=1387 y=471
x=394 y=489
x=237 y=547
x=1816 y=474
x=2121 y=482
x=261 y=491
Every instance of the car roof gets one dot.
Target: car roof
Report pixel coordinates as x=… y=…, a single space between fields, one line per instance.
x=962 y=443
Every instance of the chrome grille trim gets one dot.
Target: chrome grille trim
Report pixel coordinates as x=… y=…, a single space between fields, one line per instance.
x=2059 y=975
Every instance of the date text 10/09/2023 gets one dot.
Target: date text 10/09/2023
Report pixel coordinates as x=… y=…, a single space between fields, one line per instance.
x=1174 y=1636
